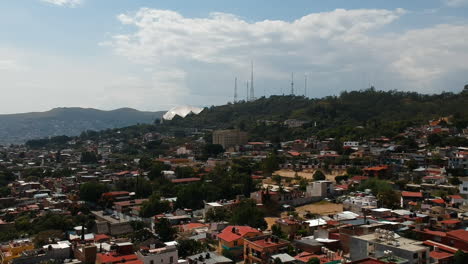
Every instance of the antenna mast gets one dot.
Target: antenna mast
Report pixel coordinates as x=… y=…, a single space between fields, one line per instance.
x=247 y=91
x=252 y=91
x=235 y=90
x=305 y=85
x=292 y=83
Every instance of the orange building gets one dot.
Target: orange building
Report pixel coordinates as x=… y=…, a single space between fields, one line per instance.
x=260 y=249
x=232 y=238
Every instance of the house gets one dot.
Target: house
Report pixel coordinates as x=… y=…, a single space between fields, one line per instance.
x=208 y=258
x=378 y=243
x=463 y=187
x=167 y=254
x=259 y=249
x=232 y=238
x=290 y=226
x=411 y=197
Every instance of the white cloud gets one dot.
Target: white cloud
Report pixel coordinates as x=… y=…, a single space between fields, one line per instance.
x=341 y=49
x=455 y=3
x=67 y=3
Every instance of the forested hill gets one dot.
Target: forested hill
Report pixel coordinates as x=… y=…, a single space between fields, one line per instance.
x=353 y=114
x=17 y=128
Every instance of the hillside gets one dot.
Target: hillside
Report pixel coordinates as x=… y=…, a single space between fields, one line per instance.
x=18 y=128
x=353 y=114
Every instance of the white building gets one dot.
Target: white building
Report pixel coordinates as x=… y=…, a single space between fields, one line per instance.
x=464 y=186
x=320 y=189
x=163 y=255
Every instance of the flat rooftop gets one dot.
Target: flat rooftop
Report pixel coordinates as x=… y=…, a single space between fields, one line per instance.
x=405 y=243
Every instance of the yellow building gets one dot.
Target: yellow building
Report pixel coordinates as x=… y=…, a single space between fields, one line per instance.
x=14 y=249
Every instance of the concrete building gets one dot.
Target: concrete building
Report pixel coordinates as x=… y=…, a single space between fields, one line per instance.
x=260 y=249
x=230 y=138
x=320 y=189
x=381 y=242
x=162 y=255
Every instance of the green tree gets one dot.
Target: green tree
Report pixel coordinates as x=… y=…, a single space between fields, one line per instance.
x=460 y=257
x=313 y=261
x=319 y=176
x=164 y=230
x=89 y=157
x=92 y=191
x=217 y=214
x=189 y=247
x=271 y=163
x=154 y=206
x=247 y=213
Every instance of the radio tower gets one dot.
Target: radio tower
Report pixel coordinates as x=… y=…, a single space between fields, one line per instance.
x=252 y=91
x=305 y=85
x=247 y=91
x=235 y=90
x=292 y=83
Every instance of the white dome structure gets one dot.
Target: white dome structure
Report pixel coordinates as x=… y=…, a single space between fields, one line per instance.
x=182 y=111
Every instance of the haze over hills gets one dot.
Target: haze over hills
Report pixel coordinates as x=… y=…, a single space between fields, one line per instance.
x=18 y=128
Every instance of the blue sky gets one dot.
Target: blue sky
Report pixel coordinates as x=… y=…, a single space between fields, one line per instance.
x=153 y=55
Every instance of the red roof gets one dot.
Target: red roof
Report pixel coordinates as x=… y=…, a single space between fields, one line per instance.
x=376 y=168
x=450 y=221
x=118 y=193
x=438 y=201
x=100 y=237
x=440 y=254
x=435 y=233
x=460 y=234
x=184 y=180
x=412 y=194
x=294 y=153
x=441 y=246
x=359 y=178
x=133 y=202
x=115 y=257
x=455 y=197
x=240 y=231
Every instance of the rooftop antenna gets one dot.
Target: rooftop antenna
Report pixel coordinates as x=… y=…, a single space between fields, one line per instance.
x=305 y=85
x=235 y=90
x=252 y=91
x=292 y=83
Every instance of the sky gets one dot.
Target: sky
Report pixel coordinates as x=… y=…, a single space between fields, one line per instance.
x=157 y=54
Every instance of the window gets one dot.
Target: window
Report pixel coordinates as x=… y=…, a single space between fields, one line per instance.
x=465 y=189
x=415 y=255
x=151 y=261
x=235 y=243
x=171 y=259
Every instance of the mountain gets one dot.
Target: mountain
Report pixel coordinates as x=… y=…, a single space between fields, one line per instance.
x=18 y=128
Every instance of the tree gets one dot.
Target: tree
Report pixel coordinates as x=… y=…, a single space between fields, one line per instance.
x=353 y=171
x=271 y=163
x=319 y=176
x=217 y=214
x=277 y=261
x=89 y=157
x=313 y=261
x=247 y=213
x=460 y=257
x=165 y=230
x=189 y=247
x=47 y=237
x=212 y=150
x=276 y=231
x=154 y=206
x=92 y=191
